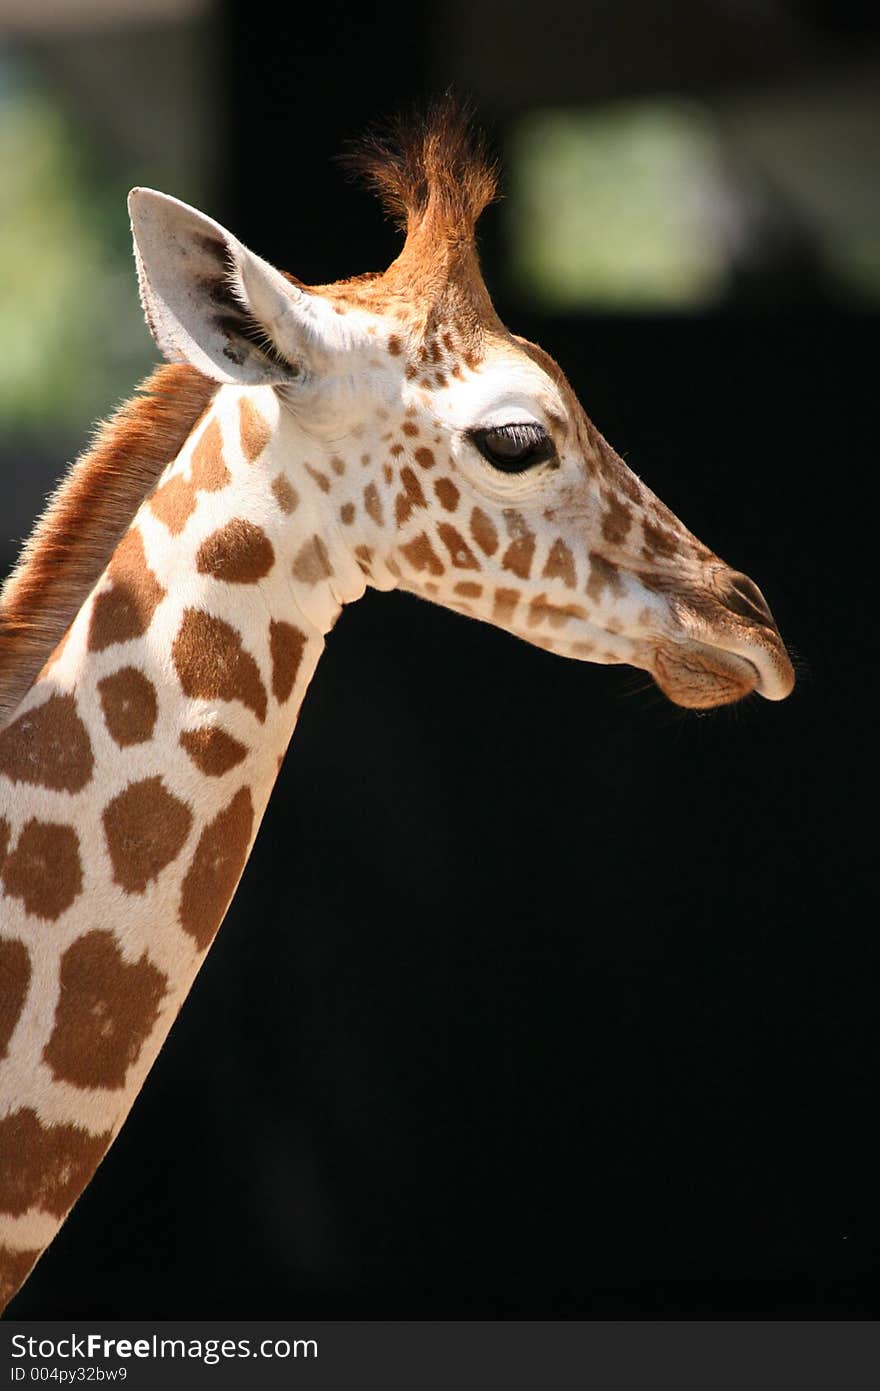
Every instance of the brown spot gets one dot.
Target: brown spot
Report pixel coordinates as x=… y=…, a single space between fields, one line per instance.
x=146 y=828
x=337 y=465
x=394 y=345
x=346 y=513
x=387 y=472
x=107 y=1009
x=212 y=664
x=44 y=869
x=255 y=433
x=560 y=564
x=483 y=532
x=421 y=555
x=460 y=552
x=520 y=553
x=15 y=1267
x=207 y=470
x=312 y=563
x=617 y=520
x=659 y=584
x=413 y=487
x=557 y=615
x=424 y=457
x=468 y=590
x=48 y=747
x=411 y=497
x=628 y=483
x=125 y=610
x=373 y=504
x=285 y=494
x=659 y=540
x=238 y=553
x=505 y=604
x=603 y=575
x=212 y=750
x=216 y=868
x=365 y=460
x=447 y=493
x=364 y=557
x=130 y=707
x=173 y=503
x=320 y=478
x=287 y=645
x=410 y=428
x=15 y=975
x=45 y=1167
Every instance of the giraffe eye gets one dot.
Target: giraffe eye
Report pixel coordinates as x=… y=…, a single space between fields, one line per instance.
x=514 y=448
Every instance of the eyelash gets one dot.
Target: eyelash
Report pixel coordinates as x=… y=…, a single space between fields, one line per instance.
x=530 y=438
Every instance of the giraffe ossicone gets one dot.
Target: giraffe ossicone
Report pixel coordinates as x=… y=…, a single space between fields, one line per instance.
x=161 y=629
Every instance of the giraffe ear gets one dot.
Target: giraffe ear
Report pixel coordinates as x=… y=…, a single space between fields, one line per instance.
x=210 y=302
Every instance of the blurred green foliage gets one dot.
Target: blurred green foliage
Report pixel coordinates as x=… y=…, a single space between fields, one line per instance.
x=618 y=208
x=660 y=204
x=71 y=336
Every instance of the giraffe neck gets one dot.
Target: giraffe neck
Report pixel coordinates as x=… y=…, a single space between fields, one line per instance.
x=133 y=778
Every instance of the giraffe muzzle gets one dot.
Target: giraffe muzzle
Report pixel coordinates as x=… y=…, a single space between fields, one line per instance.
x=729 y=646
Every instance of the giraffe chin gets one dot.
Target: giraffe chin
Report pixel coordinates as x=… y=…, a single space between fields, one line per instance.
x=700 y=677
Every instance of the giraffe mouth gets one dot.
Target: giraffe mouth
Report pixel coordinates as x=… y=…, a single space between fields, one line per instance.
x=700 y=676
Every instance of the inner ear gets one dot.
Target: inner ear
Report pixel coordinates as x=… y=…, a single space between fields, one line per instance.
x=246 y=339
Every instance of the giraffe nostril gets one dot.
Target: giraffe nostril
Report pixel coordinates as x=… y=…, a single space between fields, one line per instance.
x=743 y=597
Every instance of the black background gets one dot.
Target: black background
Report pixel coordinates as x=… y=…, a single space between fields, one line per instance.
x=539 y=997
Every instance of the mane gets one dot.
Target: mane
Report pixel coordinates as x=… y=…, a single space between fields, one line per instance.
x=436 y=167
x=86 y=518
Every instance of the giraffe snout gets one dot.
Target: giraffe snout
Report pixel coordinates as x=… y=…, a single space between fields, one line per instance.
x=753 y=634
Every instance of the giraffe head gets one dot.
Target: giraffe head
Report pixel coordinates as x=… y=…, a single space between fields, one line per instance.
x=447 y=455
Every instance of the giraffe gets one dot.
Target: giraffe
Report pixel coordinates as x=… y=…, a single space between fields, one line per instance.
x=160 y=631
